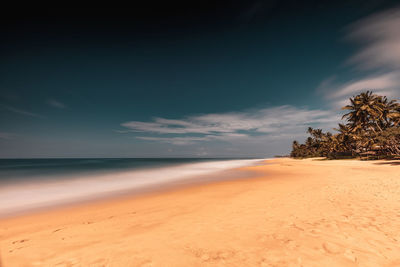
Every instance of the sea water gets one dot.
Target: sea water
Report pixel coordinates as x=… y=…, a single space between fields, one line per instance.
x=30 y=184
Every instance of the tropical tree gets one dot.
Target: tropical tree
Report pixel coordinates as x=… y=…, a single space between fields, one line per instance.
x=372 y=127
x=367 y=112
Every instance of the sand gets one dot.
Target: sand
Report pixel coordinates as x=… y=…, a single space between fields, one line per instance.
x=287 y=213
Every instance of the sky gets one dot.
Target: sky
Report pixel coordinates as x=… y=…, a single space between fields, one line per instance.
x=202 y=79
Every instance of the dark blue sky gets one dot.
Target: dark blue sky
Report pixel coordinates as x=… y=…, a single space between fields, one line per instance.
x=100 y=83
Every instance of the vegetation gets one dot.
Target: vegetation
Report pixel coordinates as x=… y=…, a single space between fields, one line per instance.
x=371 y=130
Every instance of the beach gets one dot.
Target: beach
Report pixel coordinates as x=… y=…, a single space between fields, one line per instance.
x=285 y=212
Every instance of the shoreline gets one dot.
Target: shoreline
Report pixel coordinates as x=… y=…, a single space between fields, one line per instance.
x=299 y=212
x=52 y=193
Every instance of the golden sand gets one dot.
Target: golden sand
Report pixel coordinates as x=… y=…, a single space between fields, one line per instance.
x=289 y=213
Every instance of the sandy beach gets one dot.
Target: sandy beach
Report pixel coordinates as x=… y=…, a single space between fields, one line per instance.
x=286 y=213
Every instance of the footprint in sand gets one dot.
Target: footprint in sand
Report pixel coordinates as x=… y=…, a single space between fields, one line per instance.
x=20 y=241
x=349 y=254
x=331 y=248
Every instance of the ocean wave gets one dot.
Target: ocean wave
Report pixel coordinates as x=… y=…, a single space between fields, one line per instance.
x=30 y=195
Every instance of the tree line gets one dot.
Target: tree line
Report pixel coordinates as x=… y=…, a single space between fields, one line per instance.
x=371 y=130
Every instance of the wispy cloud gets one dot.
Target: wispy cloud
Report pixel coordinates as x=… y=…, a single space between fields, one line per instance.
x=22 y=112
x=175 y=140
x=188 y=140
x=121 y=131
x=377 y=60
x=274 y=122
x=56 y=104
x=7 y=136
x=380 y=40
x=387 y=84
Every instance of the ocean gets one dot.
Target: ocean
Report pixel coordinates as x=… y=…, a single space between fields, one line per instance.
x=30 y=184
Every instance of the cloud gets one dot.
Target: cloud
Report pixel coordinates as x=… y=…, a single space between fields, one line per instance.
x=377 y=60
x=274 y=122
x=188 y=140
x=56 y=104
x=22 y=112
x=175 y=140
x=380 y=39
x=387 y=84
x=7 y=136
x=120 y=131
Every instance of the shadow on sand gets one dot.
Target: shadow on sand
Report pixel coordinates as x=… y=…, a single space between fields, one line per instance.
x=393 y=163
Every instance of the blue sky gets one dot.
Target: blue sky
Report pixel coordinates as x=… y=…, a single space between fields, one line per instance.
x=239 y=82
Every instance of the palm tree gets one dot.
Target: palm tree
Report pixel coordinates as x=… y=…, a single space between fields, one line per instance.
x=346 y=139
x=372 y=127
x=389 y=141
x=295 y=145
x=393 y=113
x=367 y=112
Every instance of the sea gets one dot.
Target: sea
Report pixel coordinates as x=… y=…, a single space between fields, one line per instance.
x=27 y=185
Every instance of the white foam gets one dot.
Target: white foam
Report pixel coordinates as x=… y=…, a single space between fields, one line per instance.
x=27 y=196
